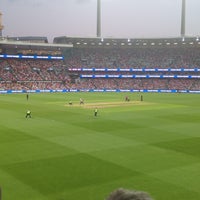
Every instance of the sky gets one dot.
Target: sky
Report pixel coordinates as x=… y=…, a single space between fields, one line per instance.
x=119 y=18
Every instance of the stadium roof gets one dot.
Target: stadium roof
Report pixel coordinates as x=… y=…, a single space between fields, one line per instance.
x=33 y=44
x=126 y=42
x=36 y=39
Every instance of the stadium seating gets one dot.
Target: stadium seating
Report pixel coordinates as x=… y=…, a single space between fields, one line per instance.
x=29 y=74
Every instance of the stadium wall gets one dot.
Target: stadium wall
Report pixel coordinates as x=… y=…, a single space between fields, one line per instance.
x=92 y=90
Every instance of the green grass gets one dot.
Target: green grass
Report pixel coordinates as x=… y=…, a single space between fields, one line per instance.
x=65 y=153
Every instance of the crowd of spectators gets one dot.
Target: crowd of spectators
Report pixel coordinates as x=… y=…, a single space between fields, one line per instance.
x=187 y=57
x=32 y=74
x=18 y=74
x=138 y=84
x=136 y=58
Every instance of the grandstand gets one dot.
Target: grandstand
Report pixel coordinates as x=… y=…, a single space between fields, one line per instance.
x=96 y=63
x=168 y=64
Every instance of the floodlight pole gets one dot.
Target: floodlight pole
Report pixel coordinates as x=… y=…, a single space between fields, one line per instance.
x=98 y=18
x=183 y=19
x=1 y=25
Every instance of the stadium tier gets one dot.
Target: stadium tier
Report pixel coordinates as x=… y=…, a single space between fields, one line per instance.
x=152 y=65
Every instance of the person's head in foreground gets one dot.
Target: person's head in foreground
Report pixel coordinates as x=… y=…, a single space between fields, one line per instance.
x=124 y=194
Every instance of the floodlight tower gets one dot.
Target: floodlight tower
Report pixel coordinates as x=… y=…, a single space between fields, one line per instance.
x=98 y=18
x=1 y=26
x=183 y=19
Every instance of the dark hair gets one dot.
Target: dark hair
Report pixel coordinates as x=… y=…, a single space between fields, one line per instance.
x=124 y=194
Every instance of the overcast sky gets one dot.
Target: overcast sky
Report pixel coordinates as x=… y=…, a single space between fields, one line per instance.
x=119 y=18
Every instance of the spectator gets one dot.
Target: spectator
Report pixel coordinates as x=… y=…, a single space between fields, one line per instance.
x=124 y=194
